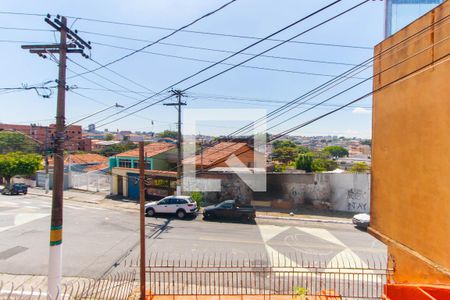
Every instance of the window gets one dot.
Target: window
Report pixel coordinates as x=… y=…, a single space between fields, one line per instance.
x=165 y=201
x=226 y=205
x=147 y=165
x=125 y=163
x=173 y=201
x=180 y=201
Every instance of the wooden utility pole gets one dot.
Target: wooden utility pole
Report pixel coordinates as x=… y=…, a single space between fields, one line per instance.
x=142 y=216
x=63 y=48
x=178 y=94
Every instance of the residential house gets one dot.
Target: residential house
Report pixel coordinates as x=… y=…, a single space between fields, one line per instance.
x=100 y=144
x=83 y=162
x=216 y=156
x=160 y=163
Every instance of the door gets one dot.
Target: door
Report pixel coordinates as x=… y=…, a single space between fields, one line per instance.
x=163 y=206
x=226 y=210
x=119 y=185
x=133 y=186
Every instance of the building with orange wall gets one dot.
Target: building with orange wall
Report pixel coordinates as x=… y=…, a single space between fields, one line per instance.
x=410 y=206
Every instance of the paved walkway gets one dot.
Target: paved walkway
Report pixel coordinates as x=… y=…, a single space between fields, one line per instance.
x=311 y=215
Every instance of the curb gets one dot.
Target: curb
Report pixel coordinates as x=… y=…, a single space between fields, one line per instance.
x=316 y=220
x=305 y=219
x=49 y=195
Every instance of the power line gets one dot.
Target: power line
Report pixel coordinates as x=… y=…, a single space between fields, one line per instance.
x=242 y=50
x=248 y=37
x=334 y=81
x=224 y=63
x=404 y=77
x=423 y=30
x=210 y=61
x=161 y=39
x=211 y=49
x=225 y=34
x=373 y=76
x=22 y=14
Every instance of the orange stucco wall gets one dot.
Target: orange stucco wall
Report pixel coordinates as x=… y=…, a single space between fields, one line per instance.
x=410 y=206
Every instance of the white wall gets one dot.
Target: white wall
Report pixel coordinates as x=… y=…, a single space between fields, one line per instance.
x=350 y=192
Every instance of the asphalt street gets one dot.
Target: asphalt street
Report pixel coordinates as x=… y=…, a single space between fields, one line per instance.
x=281 y=242
x=96 y=237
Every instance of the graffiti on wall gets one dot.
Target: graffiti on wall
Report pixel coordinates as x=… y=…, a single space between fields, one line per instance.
x=357 y=200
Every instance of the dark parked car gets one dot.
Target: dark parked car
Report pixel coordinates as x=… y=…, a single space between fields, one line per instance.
x=230 y=210
x=15 y=189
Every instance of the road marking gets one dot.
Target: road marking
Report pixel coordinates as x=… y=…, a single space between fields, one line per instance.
x=74 y=207
x=221 y=239
x=347 y=259
x=270 y=231
x=20 y=219
x=322 y=234
x=2 y=203
x=97 y=208
x=31 y=207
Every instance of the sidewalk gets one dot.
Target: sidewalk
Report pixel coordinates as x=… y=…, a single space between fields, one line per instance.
x=305 y=214
x=77 y=195
x=308 y=215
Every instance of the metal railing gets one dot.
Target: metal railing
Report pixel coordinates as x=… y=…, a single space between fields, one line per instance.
x=276 y=274
x=118 y=286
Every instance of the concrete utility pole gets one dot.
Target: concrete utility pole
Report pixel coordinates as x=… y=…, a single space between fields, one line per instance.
x=178 y=94
x=47 y=181
x=63 y=48
x=142 y=217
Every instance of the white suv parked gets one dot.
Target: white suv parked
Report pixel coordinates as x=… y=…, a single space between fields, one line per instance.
x=179 y=205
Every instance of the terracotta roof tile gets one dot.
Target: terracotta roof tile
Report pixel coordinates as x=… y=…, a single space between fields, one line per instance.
x=101 y=166
x=82 y=159
x=217 y=153
x=150 y=150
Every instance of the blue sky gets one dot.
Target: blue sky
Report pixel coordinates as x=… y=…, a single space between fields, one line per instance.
x=249 y=87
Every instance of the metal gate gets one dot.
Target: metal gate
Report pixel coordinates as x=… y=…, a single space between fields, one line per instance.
x=91 y=181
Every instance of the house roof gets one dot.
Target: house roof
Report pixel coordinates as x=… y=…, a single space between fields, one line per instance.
x=217 y=153
x=161 y=173
x=98 y=167
x=82 y=159
x=149 y=150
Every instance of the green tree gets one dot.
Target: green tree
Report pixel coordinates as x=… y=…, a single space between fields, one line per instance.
x=12 y=142
x=283 y=144
x=366 y=142
x=109 y=137
x=335 y=151
x=304 y=162
x=360 y=167
x=117 y=148
x=168 y=134
x=322 y=165
x=285 y=154
x=19 y=163
x=197 y=197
